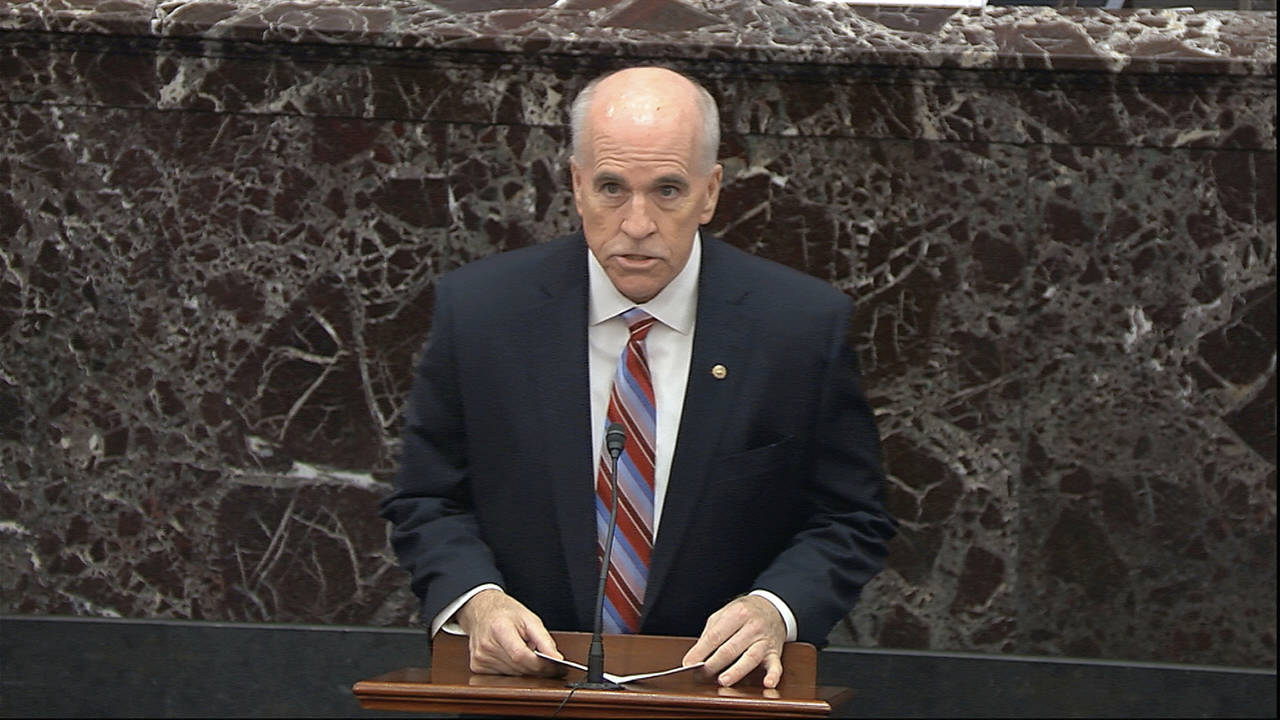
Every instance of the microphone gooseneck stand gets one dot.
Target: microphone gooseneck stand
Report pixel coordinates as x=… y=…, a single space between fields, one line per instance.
x=615 y=439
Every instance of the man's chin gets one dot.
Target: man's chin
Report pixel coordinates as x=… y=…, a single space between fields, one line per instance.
x=638 y=292
x=638 y=286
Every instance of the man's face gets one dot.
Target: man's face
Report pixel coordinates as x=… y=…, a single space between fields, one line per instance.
x=642 y=192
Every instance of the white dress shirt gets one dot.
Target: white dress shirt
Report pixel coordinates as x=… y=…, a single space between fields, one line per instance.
x=669 y=346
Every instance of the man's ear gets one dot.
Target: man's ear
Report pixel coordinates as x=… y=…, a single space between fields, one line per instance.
x=575 y=177
x=713 y=194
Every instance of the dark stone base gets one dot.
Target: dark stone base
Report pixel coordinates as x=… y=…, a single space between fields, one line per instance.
x=75 y=667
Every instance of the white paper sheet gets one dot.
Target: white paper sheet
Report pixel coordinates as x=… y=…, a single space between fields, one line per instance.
x=621 y=679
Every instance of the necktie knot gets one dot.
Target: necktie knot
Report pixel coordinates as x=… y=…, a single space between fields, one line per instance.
x=639 y=322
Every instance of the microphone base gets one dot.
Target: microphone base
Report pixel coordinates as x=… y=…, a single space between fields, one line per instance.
x=602 y=685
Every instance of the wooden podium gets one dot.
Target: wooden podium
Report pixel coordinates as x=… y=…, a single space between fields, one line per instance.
x=450 y=687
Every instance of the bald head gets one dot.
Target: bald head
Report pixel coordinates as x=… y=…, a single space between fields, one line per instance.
x=644 y=174
x=651 y=96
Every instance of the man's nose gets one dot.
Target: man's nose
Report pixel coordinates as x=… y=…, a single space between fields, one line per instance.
x=637 y=222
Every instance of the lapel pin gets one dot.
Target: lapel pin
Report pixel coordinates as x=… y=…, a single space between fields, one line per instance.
x=719 y=372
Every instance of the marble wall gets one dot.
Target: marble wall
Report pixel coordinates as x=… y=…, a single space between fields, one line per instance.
x=222 y=223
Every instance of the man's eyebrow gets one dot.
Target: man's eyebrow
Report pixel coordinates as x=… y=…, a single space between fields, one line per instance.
x=680 y=180
x=607 y=177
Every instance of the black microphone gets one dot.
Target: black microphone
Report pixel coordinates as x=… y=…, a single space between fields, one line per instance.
x=615 y=437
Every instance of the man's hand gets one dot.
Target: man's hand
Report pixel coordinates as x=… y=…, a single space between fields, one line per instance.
x=740 y=636
x=503 y=635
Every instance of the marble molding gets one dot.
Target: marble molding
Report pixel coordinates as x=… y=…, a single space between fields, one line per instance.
x=223 y=221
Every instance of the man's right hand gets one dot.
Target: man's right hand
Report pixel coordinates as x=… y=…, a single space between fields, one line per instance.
x=503 y=635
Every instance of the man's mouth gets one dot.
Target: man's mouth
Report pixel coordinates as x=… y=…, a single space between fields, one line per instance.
x=635 y=262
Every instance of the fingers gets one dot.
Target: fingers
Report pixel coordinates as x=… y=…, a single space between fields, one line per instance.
x=537 y=638
x=772 y=670
x=503 y=635
x=743 y=635
x=504 y=651
x=712 y=637
x=758 y=654
x=501 y=649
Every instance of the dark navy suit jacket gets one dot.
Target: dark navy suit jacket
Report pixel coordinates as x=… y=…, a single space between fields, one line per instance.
x=775 y=483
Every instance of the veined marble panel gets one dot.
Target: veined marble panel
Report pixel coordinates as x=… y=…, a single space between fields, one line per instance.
x=217 y=340
x=789 y=99
x=1149 y=482
x=1025 y=38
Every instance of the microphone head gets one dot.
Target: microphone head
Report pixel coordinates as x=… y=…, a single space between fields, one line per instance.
x=615 y=437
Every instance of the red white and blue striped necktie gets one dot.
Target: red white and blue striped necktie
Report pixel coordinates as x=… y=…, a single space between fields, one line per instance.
x=631 y=403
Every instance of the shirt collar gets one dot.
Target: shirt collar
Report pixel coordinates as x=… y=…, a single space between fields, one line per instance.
x=675 y=306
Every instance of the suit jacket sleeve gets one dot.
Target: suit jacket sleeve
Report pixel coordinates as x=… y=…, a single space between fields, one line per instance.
x=435 y=533
x=842 y=541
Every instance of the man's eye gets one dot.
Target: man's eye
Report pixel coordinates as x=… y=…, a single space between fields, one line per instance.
x=668 y=191
x=610 y=188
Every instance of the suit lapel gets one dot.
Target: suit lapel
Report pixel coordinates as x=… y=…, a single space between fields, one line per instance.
x=554 y=334
x=719 y=339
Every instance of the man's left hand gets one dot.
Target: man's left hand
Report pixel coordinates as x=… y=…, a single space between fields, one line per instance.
x=741 y=636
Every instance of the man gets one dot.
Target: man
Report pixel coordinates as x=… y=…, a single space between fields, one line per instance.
x=760 y=504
